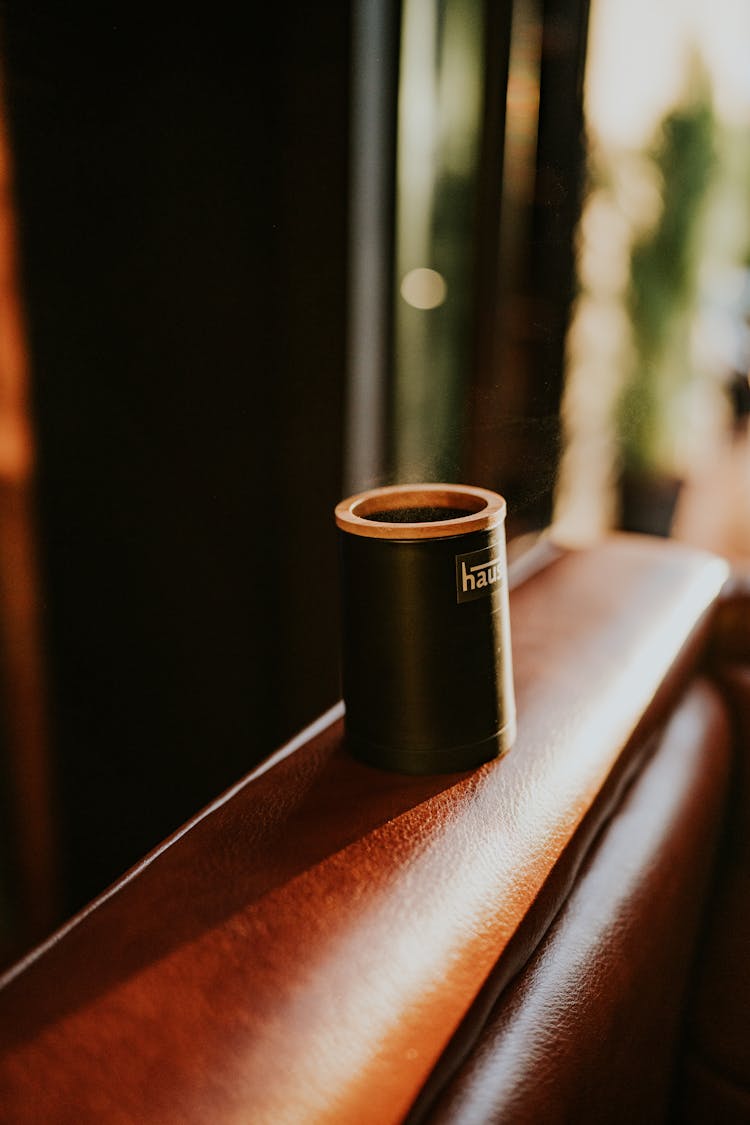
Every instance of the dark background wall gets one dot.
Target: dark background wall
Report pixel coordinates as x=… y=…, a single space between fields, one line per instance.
x=181 y=199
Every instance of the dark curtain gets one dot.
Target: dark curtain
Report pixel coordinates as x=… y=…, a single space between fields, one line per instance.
x=180 y=186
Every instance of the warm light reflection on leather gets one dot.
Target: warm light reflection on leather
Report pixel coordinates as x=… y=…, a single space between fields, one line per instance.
x=402 y=927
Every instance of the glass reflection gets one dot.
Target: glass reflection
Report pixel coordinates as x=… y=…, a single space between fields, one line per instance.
x=439 y=132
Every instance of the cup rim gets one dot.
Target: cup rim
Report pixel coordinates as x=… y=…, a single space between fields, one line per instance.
x=484 y=510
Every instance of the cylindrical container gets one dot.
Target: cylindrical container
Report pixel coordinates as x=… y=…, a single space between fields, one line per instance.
x=426 y=661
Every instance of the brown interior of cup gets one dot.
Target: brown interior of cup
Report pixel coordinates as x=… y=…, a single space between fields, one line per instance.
x=419 y=506
x=417 y=515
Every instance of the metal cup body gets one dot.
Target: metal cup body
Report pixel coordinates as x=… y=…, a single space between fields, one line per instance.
x=426 y=658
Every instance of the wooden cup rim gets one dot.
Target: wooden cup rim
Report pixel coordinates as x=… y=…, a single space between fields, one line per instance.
x=484 y=510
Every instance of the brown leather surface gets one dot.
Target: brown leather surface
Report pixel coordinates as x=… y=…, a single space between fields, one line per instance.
x=305 y=949
x=731 y=630
x=708 y=1098
x=717 y=1065
x=588 y=1032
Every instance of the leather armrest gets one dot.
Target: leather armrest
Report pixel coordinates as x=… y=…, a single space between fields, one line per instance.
x=306 y=947
x=589 y=1030
x=716 y=1077
x=730 y=642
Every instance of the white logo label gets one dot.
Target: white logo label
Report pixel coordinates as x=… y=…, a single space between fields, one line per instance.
x=477 y=573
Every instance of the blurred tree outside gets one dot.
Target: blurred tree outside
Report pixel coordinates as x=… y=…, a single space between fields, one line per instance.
x=662 y=294
x=662 y=320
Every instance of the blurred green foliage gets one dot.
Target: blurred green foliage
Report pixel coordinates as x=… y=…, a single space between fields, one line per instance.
x=662 y=289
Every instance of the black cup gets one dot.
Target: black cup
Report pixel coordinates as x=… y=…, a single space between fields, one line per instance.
x=426 y=659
